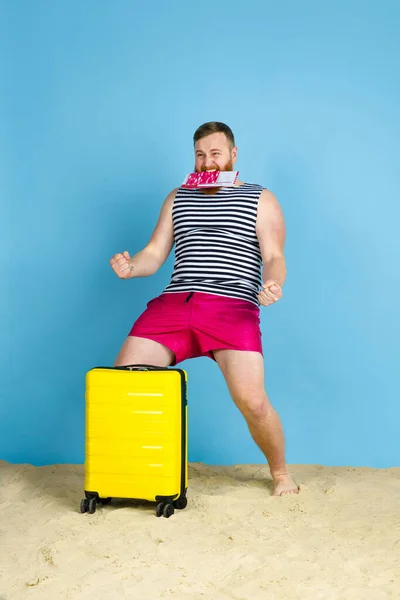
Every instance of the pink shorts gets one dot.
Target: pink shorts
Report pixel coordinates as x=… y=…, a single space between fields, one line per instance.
x=194 y=324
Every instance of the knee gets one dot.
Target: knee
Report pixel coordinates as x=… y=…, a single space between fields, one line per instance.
x=254 y=408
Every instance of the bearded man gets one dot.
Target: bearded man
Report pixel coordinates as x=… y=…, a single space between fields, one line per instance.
x=229 y=260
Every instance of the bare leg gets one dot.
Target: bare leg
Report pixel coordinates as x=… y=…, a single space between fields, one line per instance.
x=244 y=375
x=136 y=350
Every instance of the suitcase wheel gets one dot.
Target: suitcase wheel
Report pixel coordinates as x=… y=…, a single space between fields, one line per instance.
x=168 y=510
x=88 y=505
x=165 y=510
x=181 y=503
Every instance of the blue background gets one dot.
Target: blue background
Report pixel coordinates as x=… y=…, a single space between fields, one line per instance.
x=98 y=107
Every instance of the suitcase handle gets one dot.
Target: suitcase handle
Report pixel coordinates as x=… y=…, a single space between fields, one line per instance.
x=143 y=368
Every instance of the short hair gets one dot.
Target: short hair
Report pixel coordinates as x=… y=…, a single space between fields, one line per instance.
x=214 y=127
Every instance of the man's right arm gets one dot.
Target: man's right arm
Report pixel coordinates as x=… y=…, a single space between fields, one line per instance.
x=155 y=253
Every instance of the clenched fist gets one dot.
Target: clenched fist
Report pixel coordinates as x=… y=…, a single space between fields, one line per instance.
x=121 y=266
x=271 y=292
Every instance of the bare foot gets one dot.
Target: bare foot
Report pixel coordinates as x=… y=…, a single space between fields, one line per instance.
x=284 y=484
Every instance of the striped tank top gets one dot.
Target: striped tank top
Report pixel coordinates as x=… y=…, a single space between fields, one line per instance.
x=216 y=245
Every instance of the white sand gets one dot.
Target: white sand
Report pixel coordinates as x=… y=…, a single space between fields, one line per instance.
x=338 y=539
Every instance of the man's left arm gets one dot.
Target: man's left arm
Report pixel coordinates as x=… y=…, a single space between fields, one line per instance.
x=271 y=233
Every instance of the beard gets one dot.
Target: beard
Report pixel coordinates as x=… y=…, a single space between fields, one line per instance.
x=213 y=190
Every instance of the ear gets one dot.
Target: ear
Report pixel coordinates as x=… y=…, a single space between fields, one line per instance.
x=234 y=154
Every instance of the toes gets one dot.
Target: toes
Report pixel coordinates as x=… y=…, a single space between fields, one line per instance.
x=285 y=492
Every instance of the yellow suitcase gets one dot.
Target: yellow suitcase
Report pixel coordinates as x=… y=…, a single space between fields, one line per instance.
x=136 y=437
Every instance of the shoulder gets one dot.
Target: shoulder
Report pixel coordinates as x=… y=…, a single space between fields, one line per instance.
x=173 y=192
x=269 y=207
x=168 y=204
x=268 y=200
x=169 y=200
x=267 y=197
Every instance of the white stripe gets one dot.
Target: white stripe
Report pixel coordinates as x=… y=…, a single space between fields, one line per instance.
x=147 y=412
x=143 y=394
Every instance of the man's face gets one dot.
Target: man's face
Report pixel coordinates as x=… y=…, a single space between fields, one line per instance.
x=214 y=153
